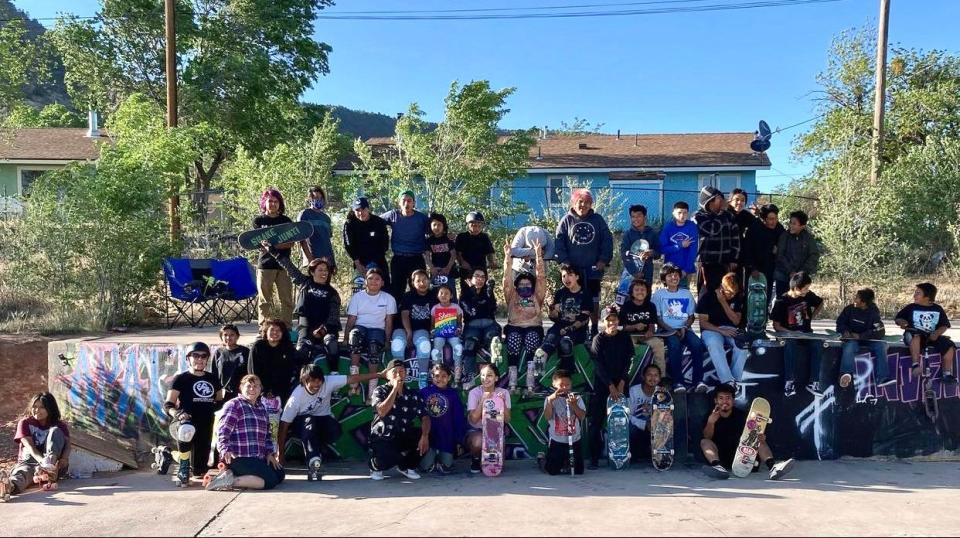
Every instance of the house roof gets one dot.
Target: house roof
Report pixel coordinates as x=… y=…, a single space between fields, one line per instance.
x=649 y=151
x=48 y=144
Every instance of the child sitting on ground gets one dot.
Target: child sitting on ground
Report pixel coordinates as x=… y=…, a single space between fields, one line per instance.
x=489 y=375
x=923 y=322
x=447 y=422
x=561 y=427
x=641 y=408
x=44 y=448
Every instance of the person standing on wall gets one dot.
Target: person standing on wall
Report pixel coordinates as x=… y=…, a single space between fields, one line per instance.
x=320 y=244
x=408 y=242
x=719 y=249
x=366 y=239
x=270 y=275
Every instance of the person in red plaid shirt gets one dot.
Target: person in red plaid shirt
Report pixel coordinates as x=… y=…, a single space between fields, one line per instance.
x=244 y=442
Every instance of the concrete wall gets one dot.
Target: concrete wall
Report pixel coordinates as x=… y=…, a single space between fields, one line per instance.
x=119 y=389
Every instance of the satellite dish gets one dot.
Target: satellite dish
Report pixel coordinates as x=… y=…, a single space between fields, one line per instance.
x=761 y=140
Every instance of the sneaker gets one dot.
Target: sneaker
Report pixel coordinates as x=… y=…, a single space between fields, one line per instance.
x=314 y=469
x=781 y=469
x=949 y=378
x=376 y=475
x=814 y=387
x=221 y=482
x=475 y=465
x=412 y=474
x=702 y=388
x=789 y=389
x=182 y=477
x=716 y=471
x=887 y=382
x=845 y=380
x=679 y=389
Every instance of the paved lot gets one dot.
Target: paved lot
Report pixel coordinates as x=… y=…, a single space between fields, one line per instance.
x=847 y=497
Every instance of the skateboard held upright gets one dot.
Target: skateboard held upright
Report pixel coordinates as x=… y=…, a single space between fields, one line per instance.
x=661 y=430
x=491 y=456
x=746 y=455
x=618 y=432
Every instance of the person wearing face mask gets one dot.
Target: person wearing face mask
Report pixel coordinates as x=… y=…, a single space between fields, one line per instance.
x=318 y=245
x=524 y=296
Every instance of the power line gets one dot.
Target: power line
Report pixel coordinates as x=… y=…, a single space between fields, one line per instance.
x=532 y=8
x=578 y=14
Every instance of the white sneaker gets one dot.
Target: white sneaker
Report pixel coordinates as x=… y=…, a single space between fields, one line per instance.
x=702 y=388
x=780 y=470
x=222 y=482
x=376 y=475
x=409 y=473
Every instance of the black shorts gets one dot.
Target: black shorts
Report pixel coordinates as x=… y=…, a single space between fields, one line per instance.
x=257 y=467
x=940 y=345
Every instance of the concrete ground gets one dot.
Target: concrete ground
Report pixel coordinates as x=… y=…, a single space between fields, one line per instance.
x=846 y=497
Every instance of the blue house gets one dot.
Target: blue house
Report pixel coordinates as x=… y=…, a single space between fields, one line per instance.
x=655 y=170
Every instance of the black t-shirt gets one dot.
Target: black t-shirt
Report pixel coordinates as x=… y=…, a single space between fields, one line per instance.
x=478 y=305
x=419 y=307
x=230 y=366
x=572 y=304
x=727 y=432
x=631 y=313
x=924 y=318
x=266 y=261
x=406 y=408
x=197 y=394
x=710 y=305
x=440 y=248
x=794 y=313
x=474 y=248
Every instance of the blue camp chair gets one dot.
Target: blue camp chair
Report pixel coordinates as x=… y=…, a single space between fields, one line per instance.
x=188 y=291
x=236 y=295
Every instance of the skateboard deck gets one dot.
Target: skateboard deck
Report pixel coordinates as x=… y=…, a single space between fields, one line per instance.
x=757 y=301
x=661 y=430
x=618 y=432
x=281 y=233
x=626 y=277
x=825 y=339
x=491 y=457
x=273 y=410
x=746 y=455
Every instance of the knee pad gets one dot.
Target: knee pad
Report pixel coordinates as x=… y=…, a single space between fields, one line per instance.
x=330 y=342
x=565 y=349
x=355 y=339
x=185 y=432
x=423 y=348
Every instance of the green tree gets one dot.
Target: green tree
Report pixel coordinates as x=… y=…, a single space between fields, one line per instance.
x=94 y=235
x=25 y=61
x=871 y=230
x=242 y=66
x=460 y=164
x=56 y=115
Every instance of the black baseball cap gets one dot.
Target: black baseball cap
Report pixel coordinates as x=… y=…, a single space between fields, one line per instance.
x=360 y=203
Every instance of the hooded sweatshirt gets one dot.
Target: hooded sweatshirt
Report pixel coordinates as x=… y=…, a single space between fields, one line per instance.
x=719 y=235
x=584 y=241
x=760 y=247
x=671 y=238
x=865 y=322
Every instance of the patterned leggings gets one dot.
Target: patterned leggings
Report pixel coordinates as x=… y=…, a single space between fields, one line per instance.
x=520 y=339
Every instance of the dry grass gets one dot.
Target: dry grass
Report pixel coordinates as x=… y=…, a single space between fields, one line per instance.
x=890 y=299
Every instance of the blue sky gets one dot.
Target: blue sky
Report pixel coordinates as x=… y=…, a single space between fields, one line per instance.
x=681 y=72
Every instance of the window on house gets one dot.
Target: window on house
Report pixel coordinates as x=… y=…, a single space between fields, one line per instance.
x=724 y=182
x=555 y=190
x=27 y=177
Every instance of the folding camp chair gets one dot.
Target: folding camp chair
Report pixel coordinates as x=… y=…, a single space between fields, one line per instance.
x=188 y=291
x=236 y=296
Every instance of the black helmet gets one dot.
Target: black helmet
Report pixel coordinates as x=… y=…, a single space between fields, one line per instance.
x=474 y=216
x=197 y=347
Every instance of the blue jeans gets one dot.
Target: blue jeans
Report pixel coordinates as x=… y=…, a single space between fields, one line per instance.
x=715 y=342
x=800 y=371
x=675 y=356
x=879 y=350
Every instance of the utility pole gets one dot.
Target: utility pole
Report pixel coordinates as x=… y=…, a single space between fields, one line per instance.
x=170 y=20
x=880 y=89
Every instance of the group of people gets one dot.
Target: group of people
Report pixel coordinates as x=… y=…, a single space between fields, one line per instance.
x=412 y=305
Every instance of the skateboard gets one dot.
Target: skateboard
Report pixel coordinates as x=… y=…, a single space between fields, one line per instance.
x=491 y=457
x=162 y=459
x=746 y=454
x=757 y=305
x=289 y=232
x=661 y=429
x=571 y=426
x=825 y=339
x=273 y=410
x=618 y=432
x=626 y=277
x=4 y=487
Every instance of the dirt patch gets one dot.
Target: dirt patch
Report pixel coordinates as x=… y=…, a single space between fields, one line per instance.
x=23 y=368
